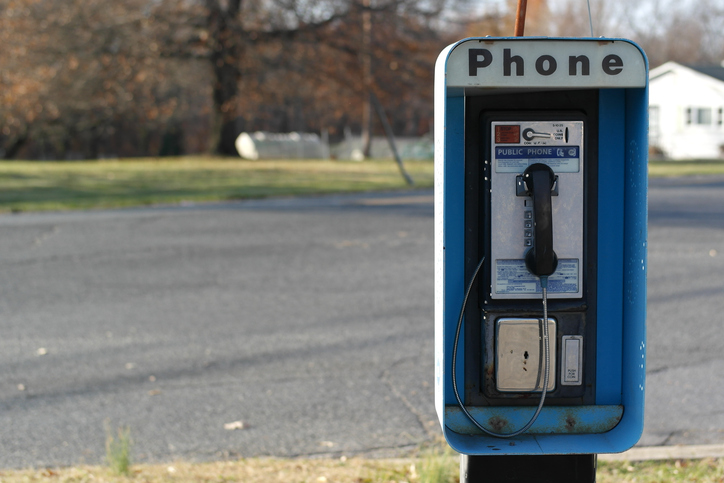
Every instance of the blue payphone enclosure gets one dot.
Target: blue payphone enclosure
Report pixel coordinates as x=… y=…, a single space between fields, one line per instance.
x=619 y=70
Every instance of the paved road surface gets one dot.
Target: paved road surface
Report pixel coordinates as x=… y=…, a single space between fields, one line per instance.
x=685 y=382
x=308 y=320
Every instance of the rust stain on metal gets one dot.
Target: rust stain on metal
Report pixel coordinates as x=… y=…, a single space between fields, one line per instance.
x=579 y=424
x=608 y=423
x=497 y=423
x=570 y=423
x=569 y=420
x=488 y=371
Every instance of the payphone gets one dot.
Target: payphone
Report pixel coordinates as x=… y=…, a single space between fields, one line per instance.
x=540 y=231
x=535 y=157
x=536 y=236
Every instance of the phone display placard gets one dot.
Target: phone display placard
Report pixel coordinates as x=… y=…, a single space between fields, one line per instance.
x=515 y=146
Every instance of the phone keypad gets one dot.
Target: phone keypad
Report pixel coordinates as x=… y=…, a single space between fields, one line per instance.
x=528 y=228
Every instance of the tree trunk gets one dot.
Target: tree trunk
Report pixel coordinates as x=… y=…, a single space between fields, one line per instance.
x=367 y=127
x=12 y=150
x=367 y=73
x=225 y=58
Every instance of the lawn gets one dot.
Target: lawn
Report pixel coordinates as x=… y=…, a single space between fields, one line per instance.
x=685 y=168
x=426 y=469
x=39 y=186
x=65 y=185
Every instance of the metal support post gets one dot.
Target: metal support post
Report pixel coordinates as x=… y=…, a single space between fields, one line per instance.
x=528 y=469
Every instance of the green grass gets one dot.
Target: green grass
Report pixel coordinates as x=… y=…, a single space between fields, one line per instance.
x=44 y=186
x=689 y=471
x=352 y=470
x=438 y=464
x=685 y=168
x=41 y=186
x=118 y=451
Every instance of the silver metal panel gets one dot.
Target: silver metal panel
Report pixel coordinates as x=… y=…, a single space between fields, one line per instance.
x=518 y=355
x=511 y=235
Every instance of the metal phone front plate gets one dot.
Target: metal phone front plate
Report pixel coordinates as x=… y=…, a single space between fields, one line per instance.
x=515 y=145
x=519 y=365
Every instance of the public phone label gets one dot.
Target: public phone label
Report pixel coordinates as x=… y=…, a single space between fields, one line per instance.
x=562 y=159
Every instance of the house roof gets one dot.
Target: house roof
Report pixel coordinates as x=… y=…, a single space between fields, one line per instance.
x=711 y=74
x=715 y=71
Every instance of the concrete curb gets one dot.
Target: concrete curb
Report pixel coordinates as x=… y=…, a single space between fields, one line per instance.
x=667 y=453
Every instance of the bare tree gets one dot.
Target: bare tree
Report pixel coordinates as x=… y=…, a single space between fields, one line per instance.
x=77 y=72
x=688 y=32
x=88 y=78
x=251 y=45
x=233 y=36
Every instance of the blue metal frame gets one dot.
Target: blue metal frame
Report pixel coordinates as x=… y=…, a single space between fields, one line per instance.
x=622 y=187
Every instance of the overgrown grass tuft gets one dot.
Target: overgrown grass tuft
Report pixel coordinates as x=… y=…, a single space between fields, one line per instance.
x=118 y=450
x=439 y=464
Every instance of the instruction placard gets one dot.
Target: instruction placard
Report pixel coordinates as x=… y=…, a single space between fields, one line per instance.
x=512 y=277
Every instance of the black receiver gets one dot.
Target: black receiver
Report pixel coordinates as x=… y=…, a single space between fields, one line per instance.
x=540 y=259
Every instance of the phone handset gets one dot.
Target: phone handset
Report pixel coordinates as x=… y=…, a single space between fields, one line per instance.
x=539 y=181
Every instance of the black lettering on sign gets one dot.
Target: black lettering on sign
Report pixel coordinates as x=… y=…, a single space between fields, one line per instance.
x=508 y=60
x=546 y=65
x=474 y=61
x=581 y=60
x=612 y=64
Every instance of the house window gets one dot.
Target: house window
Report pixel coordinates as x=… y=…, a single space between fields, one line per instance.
x=698 y=115
x=720 y=116
x=703 y=116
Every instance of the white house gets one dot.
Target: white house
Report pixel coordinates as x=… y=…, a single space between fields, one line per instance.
x=686 y=111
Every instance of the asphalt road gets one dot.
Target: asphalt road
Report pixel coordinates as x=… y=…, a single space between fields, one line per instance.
x=310 y=321
x=685 y=312
x=307 y=320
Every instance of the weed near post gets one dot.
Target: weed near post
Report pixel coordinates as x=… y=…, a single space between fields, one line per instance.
x=439 y=464
x=118 y=450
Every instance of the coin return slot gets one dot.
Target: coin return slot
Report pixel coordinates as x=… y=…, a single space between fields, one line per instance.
x=572 y=357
